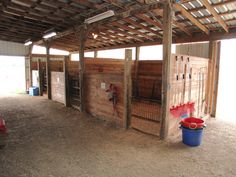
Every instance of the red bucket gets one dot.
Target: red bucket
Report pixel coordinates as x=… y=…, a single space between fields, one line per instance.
x=3 y=128
x=192 y=123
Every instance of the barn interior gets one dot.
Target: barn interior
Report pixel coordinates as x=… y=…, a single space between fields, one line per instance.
x=94 y=112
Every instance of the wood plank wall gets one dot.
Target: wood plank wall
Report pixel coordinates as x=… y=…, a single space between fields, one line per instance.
x=98 y=71
x=149 y=79
x=55 y=65
x=180 y=90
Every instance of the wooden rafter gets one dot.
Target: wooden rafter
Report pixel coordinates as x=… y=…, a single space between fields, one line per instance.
x=149 y=20
x=141 y=26
x=188 y=15
x=131 y=30
x=215 y=14
x=137 y=22
x=118 y=30
x=178 y=25
x=219 y=4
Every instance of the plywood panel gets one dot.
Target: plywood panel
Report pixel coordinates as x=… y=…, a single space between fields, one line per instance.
x=58 y=86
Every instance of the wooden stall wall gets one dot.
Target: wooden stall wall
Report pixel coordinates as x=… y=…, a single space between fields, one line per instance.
x=149 y=80
x=189 y=81
x=99 y=74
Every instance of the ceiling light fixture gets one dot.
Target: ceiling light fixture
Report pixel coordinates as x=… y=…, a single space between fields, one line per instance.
x=99 y=17
x=28 y=43
x=49 y=35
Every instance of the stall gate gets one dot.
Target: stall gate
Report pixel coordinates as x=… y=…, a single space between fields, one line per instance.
x=74 y=91
x=146 y=99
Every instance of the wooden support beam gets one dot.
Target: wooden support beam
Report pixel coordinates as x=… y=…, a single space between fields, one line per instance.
x=127 y=87
x=117 y=30
x=136 y=70
x=122 y=26
x=95 y=54
x=208 y=85
x=175 y=23
x=81 y=35
x=149 y=20
x=213 y=77
x=211 y=68
x=166 y=68
x=139 y=25
x=40 y=81
x=189 y=16
x=30 y=65
x=119 y=16
x=48 y=70
x=215 y=14
x=65 y=70
x=219 y=4
x=216 y=80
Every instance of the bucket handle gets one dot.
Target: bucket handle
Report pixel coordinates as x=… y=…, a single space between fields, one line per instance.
x=192 y=123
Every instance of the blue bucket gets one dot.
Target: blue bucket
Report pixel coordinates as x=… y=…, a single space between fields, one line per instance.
x=192 y=137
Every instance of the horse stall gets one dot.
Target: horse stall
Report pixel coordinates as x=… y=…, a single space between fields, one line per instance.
x=57 y=76
x=106 y=89
x=187 y=93
x=188 y=85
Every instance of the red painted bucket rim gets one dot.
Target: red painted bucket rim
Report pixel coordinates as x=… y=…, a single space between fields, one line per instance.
x=192 y=123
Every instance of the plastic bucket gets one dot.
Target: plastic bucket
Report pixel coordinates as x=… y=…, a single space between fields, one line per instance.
x=192 y=123
x=192 y=137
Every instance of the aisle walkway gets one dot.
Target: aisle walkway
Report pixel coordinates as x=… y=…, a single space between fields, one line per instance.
x=48 y=140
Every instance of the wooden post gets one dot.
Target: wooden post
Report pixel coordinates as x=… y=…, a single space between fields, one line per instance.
x=166 y=68
x=95 y=54
x=48 y=69
x=65 y=69
x=30 y=65
x=216 y=79
x=81 y=37
x=127 y=87
x=213 y=76
x=136 y=68
x=208 y=86
x=40 y=81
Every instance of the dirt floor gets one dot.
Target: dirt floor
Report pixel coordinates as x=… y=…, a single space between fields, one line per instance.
x=48 y=140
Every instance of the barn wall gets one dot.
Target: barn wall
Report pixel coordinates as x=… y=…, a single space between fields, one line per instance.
x=194 y=49
x=98 y=72
x=13 y=49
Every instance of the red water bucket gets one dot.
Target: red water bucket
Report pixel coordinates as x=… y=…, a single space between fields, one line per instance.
x=3 y=128
x=192 y=123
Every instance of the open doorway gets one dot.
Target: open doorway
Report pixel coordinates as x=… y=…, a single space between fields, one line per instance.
x=12 y=74
x=227 y=85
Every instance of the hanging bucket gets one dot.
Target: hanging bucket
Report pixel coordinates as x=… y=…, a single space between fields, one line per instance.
x=192 y=137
